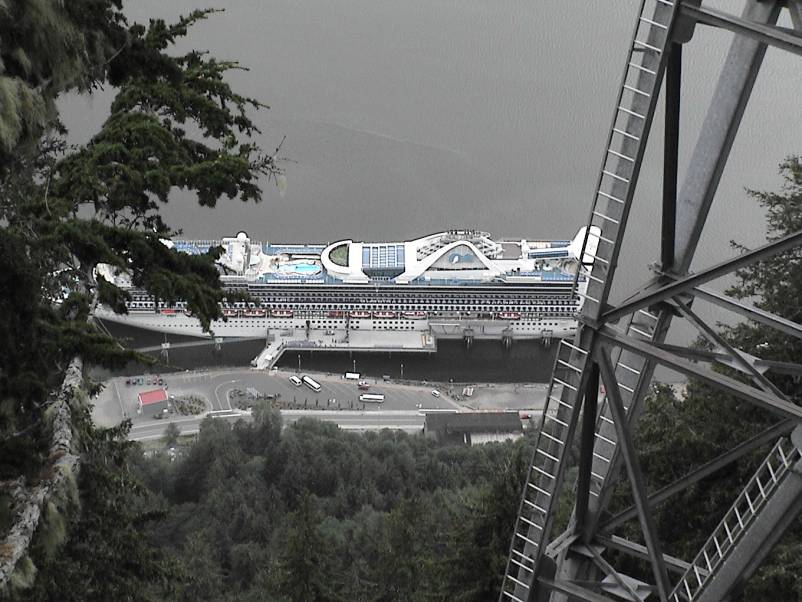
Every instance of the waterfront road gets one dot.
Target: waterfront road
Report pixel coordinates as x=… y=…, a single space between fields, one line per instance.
x=346 y=419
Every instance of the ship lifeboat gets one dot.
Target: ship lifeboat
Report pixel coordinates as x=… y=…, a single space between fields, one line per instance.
x=230 y=313
x=168 y=312
x=414 y=315
x=509 y=315
x=335 y=314
x=359 y=314
x=255 y=313
x=384 y=314
x=187 y=313
x=281 y=313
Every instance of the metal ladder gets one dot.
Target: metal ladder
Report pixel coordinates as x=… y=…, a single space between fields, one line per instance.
x=545 y=471
x=643 y=326
x=626 y=143
x=767 y=480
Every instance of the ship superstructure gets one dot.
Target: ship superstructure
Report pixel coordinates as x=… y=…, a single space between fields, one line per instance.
x=455 y=277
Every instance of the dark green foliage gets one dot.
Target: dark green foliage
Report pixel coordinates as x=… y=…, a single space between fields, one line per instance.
x=171 y=434
x=107 y=555
x=314 y=513
x=304 y=561
x=47 y=48
x=175 y=123
x=481 y=547
x=776 y=284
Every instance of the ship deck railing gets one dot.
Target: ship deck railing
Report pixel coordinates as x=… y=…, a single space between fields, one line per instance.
x=297 y=249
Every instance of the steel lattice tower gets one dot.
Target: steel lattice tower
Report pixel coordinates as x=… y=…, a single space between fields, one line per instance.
x=622 y=344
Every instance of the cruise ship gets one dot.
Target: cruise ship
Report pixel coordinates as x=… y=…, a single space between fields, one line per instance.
x=440 y=283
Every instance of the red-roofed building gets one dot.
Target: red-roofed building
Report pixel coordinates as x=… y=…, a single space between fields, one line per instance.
x=153 y=402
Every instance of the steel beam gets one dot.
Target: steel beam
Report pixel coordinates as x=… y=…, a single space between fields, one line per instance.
x=688 y=283
x=634 y=472
x=671 y=156
x=709 y=357
x=749 y=311
x=769 y=435
x=703 y=355
x=718 y=131
x=588 y=438
x=773 y=36
x=636 y=550
x=577 y=592
x=610 y=571
x=795 y=8
x=744 y=365
x=729 y=385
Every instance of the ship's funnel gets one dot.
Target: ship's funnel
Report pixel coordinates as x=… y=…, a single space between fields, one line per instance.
x=575 y=246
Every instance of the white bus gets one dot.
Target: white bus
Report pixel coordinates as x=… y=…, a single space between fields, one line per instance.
x=371 y=398
x=311 y=383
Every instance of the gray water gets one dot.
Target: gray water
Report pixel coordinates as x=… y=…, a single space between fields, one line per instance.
x=484 y=361
x=404 y=117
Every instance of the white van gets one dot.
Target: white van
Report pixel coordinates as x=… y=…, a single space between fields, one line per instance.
x=295 y=380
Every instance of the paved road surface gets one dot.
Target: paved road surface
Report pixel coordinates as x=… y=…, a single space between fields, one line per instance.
x=347 y=420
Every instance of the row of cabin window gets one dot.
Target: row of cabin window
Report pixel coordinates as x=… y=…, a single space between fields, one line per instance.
x=553 y=310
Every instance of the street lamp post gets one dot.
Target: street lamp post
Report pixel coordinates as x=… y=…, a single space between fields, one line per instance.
x=354 y=366
x=402 y=370
x=299 y=363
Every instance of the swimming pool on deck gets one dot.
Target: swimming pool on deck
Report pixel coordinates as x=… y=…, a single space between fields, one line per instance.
x=300 y=267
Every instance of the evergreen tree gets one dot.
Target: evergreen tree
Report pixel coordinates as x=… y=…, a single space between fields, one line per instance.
x=174 y=123
x=303 y=575
x=171 y=434
x=106 y=555
x=775 y=284
x=482 y=545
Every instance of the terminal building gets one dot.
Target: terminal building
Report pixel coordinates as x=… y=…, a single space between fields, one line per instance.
x=152 y=402
x=473 y=428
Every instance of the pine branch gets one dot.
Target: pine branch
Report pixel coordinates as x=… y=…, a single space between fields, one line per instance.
x=61 y=467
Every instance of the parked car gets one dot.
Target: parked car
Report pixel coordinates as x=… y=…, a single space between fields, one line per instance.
x=435 y=393
x=128 y=381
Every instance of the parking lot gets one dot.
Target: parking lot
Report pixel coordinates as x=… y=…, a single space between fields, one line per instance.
x=119 y=400
x=155 y=381
x=338 y=393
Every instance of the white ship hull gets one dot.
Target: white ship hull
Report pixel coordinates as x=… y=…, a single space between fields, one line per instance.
x=442 y=327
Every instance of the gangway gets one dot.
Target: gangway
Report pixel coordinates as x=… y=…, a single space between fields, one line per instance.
x=622 y=344
x=199 y=343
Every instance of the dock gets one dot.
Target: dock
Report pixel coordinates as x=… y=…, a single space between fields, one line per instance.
x=300 y=339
